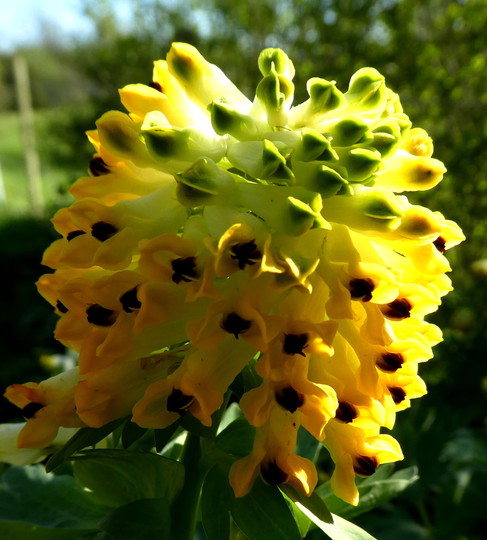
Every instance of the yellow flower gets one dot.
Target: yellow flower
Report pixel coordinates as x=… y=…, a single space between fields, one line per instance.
x=273 y=457
x=10 y=453
x=46 y=406
x=216 y=232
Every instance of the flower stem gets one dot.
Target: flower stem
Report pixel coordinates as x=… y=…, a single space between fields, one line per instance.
x=185 y=506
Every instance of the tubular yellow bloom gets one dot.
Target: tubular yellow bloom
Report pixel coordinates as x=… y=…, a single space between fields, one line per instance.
x=214 y=232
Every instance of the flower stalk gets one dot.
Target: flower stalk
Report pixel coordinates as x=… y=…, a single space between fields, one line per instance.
x=185 y=508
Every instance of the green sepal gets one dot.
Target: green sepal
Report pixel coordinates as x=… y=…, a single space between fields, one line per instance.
x=203 y=182
x=367 y=90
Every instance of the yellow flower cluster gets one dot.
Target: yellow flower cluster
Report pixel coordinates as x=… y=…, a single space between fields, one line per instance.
x=214 y=232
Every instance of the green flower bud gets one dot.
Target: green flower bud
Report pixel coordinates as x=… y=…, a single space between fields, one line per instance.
x=260 y=159
x=275 y=92
x=368 y=209
x=387 y=136
x=314 y=146
x=275 y=60
x=323 y=97
x=367 y=90
x=241 y=126
x=299 y=216
x=121 y=136
x=349 y=131
x=360 y=164
x=291 y=210
x=320 y=178
x=186 y=144
x=202 y=183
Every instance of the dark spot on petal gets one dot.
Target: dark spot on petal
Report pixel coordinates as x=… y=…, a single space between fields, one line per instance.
x=100 y=316
x=245 y=253
x=234 y=324
x=398 y=394
x=74 y=234
x=103 y=231
x=397 y=310
x=156 y=86
x=361 y=289
x=98 y=167
x=129 y=300
x=184 y=269
x=30 y=410
x=440 y=244
x=272 y=474
x=365 y=465
x=178 y=402
x=295 y=343
x=390 y=362
x=61 y=307
x=289 y=399
x=346 y=412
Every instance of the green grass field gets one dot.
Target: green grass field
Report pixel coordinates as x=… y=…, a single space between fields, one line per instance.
x=13 y=190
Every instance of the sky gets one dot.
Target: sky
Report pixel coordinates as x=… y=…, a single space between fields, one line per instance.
x=20 y=20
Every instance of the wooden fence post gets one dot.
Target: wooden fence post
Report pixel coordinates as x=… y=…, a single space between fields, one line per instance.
x=34 y=181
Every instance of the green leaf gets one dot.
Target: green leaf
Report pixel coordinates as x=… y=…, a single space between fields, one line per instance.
x=163 y=436
x=30 y=495
x=23 y=531
x=340 y=529
x=374 y=491
x=237 y=438
x=82 y=439
x=264 y=514
x=142 y=519
x=307 y=446
x=313 y=503
x=131 y=433
x=215 y=495
x=117 y=477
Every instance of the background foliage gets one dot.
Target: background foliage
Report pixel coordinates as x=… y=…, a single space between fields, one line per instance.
x=432 y=53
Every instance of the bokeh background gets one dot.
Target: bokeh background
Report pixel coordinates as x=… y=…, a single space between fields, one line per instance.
x=433 y=53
